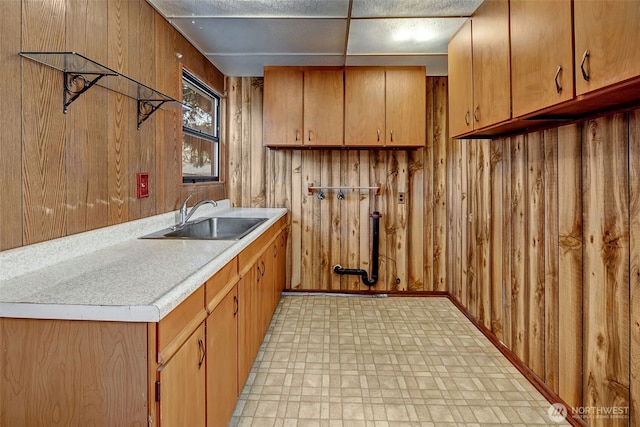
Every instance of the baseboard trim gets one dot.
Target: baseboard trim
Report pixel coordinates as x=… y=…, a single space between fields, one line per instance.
x=540 y=385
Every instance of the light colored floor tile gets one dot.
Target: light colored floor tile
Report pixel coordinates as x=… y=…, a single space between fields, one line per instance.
x=344 y=361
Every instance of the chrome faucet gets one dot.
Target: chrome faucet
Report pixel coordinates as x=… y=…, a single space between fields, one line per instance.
x=185 y=215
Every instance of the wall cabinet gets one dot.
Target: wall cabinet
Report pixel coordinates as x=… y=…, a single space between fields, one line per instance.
x=568 y=61
x=352 y=107
x=302 y=107
x=541 y=54
x=385 y=107
x=606 y=43
x=486 y=42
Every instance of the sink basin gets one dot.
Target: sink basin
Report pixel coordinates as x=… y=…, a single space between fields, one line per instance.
x=218 y=228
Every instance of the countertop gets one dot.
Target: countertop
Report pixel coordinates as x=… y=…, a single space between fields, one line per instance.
x=111 y=275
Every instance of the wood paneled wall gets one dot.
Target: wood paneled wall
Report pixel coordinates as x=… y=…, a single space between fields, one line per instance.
x=547 y=227
x=413 y=235
x=67 y=173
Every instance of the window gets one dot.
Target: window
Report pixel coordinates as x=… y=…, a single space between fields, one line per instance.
x=200 y=131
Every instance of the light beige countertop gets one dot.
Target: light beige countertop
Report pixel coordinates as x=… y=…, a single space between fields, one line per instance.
x=110 y=274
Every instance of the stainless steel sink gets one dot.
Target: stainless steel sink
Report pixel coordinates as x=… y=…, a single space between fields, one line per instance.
x=218 y=228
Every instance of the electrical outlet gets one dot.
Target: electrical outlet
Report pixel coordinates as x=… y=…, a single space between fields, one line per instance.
x=142 y=180
x=402 y=197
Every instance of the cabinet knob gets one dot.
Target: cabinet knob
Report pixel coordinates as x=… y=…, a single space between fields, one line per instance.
x=585 y=75
x=558 y=71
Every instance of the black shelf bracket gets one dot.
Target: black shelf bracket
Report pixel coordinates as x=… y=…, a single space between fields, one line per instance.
x=146 y=107
x=75 y=84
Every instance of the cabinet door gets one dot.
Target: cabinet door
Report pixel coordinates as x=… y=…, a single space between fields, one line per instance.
x=182 y=385
x=222 y=360
x=541 y=54
x=364 y=107
x=247 y=325
x=406 y=107
x=460 y=81
x=609 y=31
x=491 y=73
x=323 y=107
x=282 y=107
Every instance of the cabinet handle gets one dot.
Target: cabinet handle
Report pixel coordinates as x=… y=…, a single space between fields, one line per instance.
x=585 y=75
x=310 y=135
x=297 y=135
x=275 y=251
x=202 y=353
x=391 y=132
x=259 y=272
x=378 y=135
x=475 y=113
x=466 y=117
x=235 y=301
x=558 y=71
x=264 y=268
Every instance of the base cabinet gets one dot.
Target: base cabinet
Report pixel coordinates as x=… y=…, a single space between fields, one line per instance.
x=186 y=370
x=222 y=360
x=182 y=384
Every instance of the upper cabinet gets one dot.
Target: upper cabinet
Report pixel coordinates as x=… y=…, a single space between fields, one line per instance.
x=303 y=107
x=352 y=107
x=282 y=105
x=491 y=73
x=461 y=78
x=525 y=64
x=406 y=109
x=541 y=54
x=323 y=107
x=607 y=43
x=479 y=70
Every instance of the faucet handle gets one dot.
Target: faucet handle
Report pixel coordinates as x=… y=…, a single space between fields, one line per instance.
x=183 y=210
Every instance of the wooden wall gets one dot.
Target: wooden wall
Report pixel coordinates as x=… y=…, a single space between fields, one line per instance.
x=413 y=237
x=544 y=233
x=67 y=173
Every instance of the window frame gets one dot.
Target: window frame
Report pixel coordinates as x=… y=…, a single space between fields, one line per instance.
x=215 y=140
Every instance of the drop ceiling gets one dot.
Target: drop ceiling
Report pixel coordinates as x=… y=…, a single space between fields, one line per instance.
x=240 y=37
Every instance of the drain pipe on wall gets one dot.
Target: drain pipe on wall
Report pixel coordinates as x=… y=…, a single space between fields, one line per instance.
x=338 y=269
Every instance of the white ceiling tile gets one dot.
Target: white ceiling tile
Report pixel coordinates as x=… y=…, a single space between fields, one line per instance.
x=252 y=65
x=402 y=35
x=252 y=8
x=413 y=8
x=212 y=35
x=436 y=65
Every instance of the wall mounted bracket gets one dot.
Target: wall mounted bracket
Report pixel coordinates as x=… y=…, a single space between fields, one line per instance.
x=81 y=74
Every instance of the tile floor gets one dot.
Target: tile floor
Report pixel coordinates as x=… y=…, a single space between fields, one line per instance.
x=352 y=361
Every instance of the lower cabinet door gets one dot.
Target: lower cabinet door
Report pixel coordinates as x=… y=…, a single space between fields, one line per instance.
x=182 y=385
x=222 y=360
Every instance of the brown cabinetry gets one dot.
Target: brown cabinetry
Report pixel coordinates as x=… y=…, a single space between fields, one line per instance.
x=303 y=107
x=385 y=107
x=607 y=43
x=182 y=384
x=490 y=96
x=182 y=371
x=541 y=54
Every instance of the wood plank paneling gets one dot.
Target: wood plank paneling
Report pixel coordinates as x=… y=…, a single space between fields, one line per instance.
x=10 y=132
x=634 y=238
x=534 y=275
x=507 y=323
x=483 y=232
x=550 y=269
x=496 y=238
x=43 y=161
x=570 y=265
x=438 y=104
x=472 y=224
x=606 y=266
x=519 y=306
